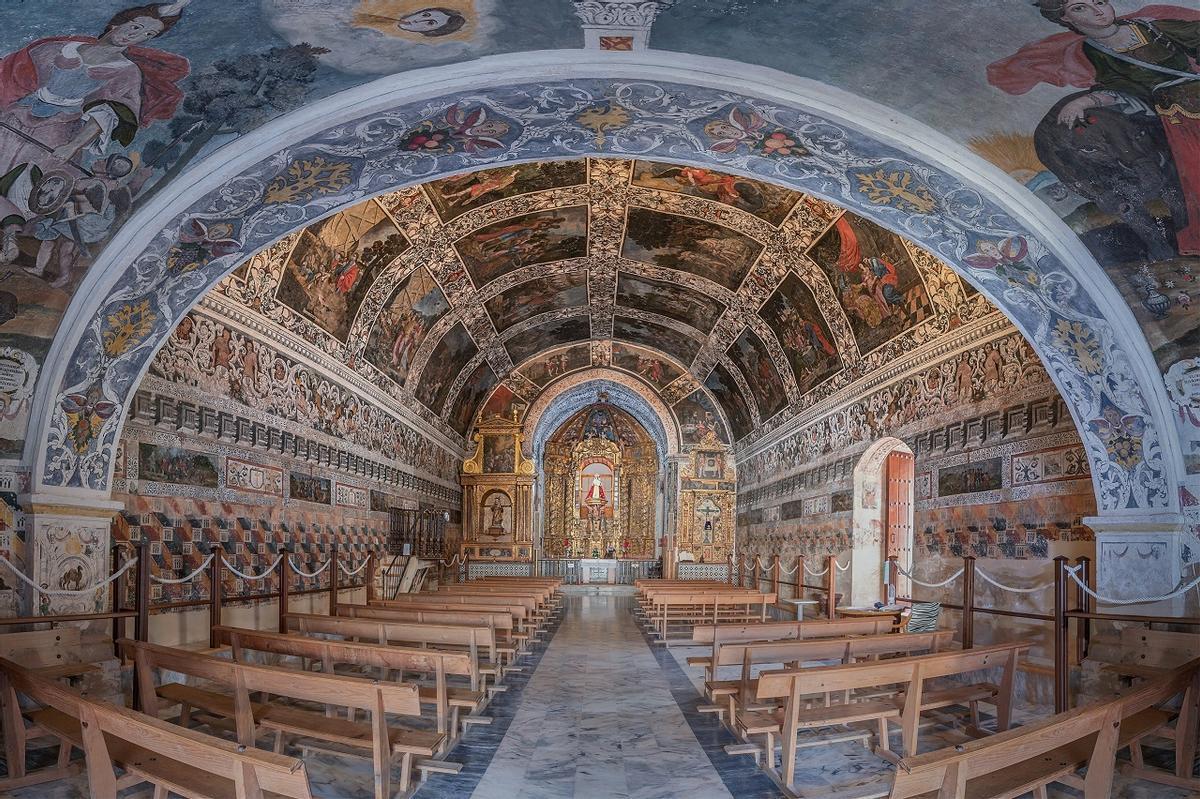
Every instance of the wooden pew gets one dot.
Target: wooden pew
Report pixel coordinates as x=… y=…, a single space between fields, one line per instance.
x=383 y=741
x=502 y=621
x=649 y=603
x=740 y=692
x=1027 y=759
x=717 y=634
x=51 y=653
x=793 y=686
x=477 y=642
x=534 y=619
x=144 y=748
x=676 y=610
x=447 y=701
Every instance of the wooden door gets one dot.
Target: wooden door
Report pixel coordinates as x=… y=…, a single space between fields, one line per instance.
x=898 y=475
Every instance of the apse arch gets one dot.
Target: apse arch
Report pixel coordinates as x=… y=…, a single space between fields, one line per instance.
x=565 y=398
x=890 y=169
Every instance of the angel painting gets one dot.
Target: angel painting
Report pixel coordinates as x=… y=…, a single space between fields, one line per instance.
x=1131 y=137
x=69 y=101
x=471 y=130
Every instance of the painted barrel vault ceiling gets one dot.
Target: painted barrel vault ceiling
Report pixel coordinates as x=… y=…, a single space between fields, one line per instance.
x=704 y=286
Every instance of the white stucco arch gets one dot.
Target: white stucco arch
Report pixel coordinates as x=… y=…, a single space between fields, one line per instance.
x=866 y=566
x=75 y=360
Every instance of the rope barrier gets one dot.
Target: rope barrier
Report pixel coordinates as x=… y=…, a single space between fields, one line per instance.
x=63 y=592
x=352 y=572
x=302 y=573
x=245 y=576
x=1003 y=587
x=840 y=566
x=785 y=571
x=189 y=578
x=812 y=573
x=943 y=583
x=1138 y=600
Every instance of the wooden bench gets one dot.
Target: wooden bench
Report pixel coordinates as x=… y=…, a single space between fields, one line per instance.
x=717 y=634
x=671 y=611
x=51 y=653
x=145 y=749
x=1151 y=653
x=393 y=663
x=794 y=686
x=535 y=618
x=524 y=620
x=1027 y=759
x=382 y=740
x=738 y=694
x=476 y=642
x=504 y=622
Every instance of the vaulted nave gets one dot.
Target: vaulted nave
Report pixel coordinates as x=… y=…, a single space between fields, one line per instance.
x=599 y=398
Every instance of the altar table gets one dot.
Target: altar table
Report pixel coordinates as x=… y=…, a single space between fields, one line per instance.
x=597 y=570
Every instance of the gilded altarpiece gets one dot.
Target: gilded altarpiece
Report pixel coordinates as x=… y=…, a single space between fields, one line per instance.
x=707 y=499
x=601 y=473
x=497 y=483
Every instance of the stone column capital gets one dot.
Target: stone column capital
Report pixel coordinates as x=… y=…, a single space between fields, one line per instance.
x=1140 y=524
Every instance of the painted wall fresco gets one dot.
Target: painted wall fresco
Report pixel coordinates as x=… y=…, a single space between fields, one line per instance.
x=450 y=357
x=538 y=296
x=802 y=330
x=647 y=364
x=875 y=279
x=729 y=394
x=679 y=345
x=307 y=488
x=175 y=465
x=403 y=324
x=750 y=355
x=478 y=386
x=454 y=196
x=710 y=251
x=530 y=342
x=970 y=478
x=670 y=299
x=536 y=238
x=550 y=366
x=767 y=201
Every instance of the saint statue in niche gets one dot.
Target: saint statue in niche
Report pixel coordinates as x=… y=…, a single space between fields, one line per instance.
x=595 y=495
x=496 y=527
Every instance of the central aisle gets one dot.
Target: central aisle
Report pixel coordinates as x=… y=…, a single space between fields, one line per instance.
x=601 y=717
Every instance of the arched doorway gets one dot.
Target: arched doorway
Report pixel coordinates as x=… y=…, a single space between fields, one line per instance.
x=882 y=519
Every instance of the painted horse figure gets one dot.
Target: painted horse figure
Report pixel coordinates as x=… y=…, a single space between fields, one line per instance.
x=1119 y=161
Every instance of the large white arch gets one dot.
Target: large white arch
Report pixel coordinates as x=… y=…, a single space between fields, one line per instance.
x=1076 y=319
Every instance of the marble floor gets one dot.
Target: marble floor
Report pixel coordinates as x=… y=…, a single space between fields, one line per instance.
x=601 y=711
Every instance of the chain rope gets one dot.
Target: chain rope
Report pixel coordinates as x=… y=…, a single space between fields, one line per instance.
x=305 y=574
x=64 y=592
x=245 y=576
x=1137 y=600
x=189 y=578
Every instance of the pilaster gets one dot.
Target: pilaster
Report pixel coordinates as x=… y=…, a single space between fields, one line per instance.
x=1141 y=556
x=68 y=547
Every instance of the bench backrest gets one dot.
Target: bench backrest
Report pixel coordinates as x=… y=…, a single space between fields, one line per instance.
x=830 y=679
x=782 y=630
x=713 y=598
x=844 y=649
x=1159 y=648
x=498 y=620
x=39 y=648
x=384 y=631
x=529 y=603
x=1090 y=732
x=375 y=655
x=326 y=689
x=251 y=771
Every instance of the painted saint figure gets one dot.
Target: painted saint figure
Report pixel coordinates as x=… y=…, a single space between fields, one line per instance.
x=595 y=494
x=65 y=101
x=1136 y=67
